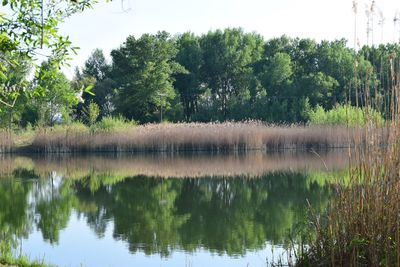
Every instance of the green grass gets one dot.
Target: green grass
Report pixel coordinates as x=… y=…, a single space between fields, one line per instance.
x=345 y=115
x=9 y=261
x=108 y=124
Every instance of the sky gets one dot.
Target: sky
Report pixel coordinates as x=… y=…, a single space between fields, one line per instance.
x=107 y=25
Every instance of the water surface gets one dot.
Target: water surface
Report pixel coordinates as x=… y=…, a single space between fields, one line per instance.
x=162 y=210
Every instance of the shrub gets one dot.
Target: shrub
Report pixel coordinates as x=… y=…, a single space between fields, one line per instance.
x=91 y=113
x=344 y=115
x=112 y=123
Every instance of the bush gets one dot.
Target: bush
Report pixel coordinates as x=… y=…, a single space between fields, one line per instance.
x=344 y=115
x=112 y=123
x=73 y=127
x=91 y=113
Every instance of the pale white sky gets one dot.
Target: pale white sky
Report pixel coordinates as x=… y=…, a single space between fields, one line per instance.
x=109 y=24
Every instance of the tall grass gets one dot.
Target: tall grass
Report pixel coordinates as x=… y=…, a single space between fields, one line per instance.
x=214 y=137
x=362 y=224
x=345 y=115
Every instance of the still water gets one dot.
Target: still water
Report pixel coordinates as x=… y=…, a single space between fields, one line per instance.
x=162 y=210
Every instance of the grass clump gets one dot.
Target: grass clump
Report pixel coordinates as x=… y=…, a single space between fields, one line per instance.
x=8 y=259
x=108 y=124
x=344 y=115
x=21 y=261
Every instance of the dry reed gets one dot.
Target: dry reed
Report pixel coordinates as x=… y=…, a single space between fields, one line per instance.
x=214 y=137
x=6 y=141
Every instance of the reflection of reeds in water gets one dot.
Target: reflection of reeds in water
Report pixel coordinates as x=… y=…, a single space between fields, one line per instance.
x=253 y=164
x=194 y=137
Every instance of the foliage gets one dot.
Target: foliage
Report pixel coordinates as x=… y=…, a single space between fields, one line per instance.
x=96 y=74
x=28 y=28
x=142 y=70
x=13 y=84
x=344 y=115
x=92 y=112
x=32 y=25
x=189 y=86
x=113 y=123
x=224 y=75
x=228 y=56
x=52 y=95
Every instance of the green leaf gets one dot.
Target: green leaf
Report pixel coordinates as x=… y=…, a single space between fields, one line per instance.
x=88 y=90
x=2 y=76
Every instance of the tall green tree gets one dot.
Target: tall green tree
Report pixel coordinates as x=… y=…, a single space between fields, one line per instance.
x=53 y=96
x=143 y=70
x=189 y=85
x=227 y=70
x=335 y=60
x=96 y=73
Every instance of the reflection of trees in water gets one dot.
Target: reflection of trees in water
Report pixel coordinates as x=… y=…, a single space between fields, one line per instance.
x=15 y=221
x=223 y=215
x=54 y=202
x=27 y=200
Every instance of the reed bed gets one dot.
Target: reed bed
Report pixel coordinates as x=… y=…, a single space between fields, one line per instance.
x=214 y=137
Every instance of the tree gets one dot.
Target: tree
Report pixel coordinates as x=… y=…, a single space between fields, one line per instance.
x=13 y=82
x=189 y=85
x=143 y=70
x=337 y=61
x=227 y=70
x=30 y=27
x=96 y=65
x=96 y=73
x=319 y=88
x=53 y=96
x=277 y=77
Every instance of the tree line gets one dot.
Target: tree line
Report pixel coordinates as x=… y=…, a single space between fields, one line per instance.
x=221 y=75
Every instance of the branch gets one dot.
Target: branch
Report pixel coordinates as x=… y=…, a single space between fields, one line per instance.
x=8 y=104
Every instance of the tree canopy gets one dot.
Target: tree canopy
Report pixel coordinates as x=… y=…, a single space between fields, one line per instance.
x=221 y=75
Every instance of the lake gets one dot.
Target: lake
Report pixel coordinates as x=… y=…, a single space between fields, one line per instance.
x=163 y=209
